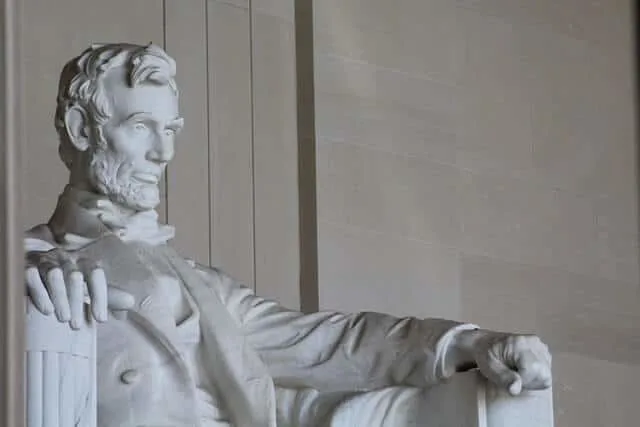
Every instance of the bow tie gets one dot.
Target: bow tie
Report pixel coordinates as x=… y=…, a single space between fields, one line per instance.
x=82 y=217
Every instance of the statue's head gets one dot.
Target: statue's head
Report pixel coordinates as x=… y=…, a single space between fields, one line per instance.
x=117 y=117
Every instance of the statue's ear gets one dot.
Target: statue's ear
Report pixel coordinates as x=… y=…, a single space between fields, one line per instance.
x=77 y=124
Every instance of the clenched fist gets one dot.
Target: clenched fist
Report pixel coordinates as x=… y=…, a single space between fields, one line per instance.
x=511 y=361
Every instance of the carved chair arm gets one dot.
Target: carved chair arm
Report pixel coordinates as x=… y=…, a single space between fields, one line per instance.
x=60 y=372
x=469 y=400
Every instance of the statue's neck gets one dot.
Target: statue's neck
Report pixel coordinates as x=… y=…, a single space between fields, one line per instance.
x=84 y=212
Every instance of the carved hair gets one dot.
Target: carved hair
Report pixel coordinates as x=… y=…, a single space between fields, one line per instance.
x=81 y=83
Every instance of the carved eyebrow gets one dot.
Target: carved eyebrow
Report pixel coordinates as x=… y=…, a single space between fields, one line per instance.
x=136 y=115
x=176 y=123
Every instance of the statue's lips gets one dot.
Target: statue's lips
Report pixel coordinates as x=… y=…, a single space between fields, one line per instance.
x=147 y=178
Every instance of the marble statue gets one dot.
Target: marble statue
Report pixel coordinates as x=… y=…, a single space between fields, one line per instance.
x=182 y=344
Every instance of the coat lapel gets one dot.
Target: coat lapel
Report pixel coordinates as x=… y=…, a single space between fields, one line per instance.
x=247 y=386
x=127 y=271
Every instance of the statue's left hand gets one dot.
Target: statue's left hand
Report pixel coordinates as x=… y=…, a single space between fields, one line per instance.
x=514 y=362
x=511 y=361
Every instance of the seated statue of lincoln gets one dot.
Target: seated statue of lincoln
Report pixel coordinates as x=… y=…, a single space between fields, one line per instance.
x=181 y=344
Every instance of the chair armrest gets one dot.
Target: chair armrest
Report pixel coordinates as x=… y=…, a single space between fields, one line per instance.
x=468 y=399
x=60 y=372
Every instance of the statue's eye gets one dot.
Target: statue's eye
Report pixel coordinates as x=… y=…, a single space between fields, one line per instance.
x=169 y=132
x=140 y=127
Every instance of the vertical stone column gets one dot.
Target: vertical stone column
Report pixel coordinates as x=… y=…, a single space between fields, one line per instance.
x=11 y=255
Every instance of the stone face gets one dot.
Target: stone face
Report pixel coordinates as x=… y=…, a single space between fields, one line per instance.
x=124 y=331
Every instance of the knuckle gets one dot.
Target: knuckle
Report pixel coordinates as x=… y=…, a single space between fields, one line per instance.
x=55 y=274
x=76 y=278
x=515 y=341
x=85 y=263
x=32 y=276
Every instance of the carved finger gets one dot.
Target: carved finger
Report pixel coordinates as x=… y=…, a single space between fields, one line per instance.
x=75 y=285
x=75 y=290
x=97 y=284
x=45 y=261
x=534 y=371
x=58 y=294
x=37 y=291
x=498 y=372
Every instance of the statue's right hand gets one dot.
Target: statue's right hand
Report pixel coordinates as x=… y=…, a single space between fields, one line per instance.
x=59 y=281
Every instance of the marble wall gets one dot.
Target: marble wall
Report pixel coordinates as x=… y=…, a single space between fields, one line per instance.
x=477 y=160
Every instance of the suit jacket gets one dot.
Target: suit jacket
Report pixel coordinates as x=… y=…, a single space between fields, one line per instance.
x=252 y=345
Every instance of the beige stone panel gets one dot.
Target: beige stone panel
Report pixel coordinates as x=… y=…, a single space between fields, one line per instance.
x=617 y=213
x=594 y=393
x=366 y=270
x=284 y=9
x=275 y=159
x=392 y=128
x=416 y=37
x=495 y=130
x=401 y=195
x=586 y=147
x=493 y=56
x=583 y=115
x=188 y=174
x=618 y=254
x=547 y=106
x=602 y=334
x=495 y=294
x=244 y=4
x=387 y=88
x=51 y=34
x=494 y=133
x=573 y=313
x=516 y=220
x=391 y=111
x=230 y=140
x=606 y=23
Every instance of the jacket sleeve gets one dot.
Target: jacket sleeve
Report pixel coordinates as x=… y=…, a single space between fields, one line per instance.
x=38 y=239
x=332 y=351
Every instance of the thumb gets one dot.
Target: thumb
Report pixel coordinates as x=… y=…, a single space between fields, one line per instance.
x=507 y=379
x=500 y=374
x=515 y=386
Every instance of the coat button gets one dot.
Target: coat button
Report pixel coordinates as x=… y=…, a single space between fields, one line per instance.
x=130 y=376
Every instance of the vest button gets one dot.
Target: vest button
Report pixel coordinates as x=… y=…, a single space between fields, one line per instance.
x=130 y=376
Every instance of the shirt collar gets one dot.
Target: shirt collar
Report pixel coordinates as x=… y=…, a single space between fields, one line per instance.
x=85 y=216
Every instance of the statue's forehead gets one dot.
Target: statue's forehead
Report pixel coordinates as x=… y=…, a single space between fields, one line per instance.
x=157 y=100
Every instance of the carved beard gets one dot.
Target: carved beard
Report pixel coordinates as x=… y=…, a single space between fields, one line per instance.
x=111 y=175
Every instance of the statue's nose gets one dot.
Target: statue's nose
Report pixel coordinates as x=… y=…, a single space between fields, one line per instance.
x=162 y=150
